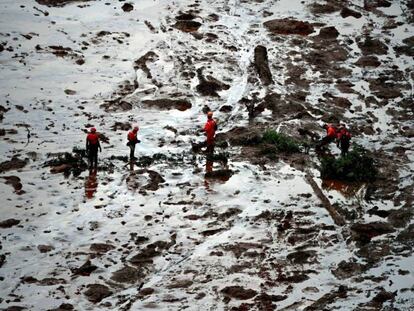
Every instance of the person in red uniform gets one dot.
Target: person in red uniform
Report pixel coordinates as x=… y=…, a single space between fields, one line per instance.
x=330 y=136
x=92 y=146
x=132 y=141
x=343 y=138
x=210 y=129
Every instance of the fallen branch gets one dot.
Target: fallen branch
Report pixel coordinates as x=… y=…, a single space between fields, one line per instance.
x=337 y=218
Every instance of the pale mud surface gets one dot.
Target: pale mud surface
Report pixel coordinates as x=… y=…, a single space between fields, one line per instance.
x=159 y=234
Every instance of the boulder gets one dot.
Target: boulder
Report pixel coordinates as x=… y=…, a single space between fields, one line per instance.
x=288 y=26
x=168 y=104
x=238 y=292
x=262 y=65
x=346 y=12
x=96 y=292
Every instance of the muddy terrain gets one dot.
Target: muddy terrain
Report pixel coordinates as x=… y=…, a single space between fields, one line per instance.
x=253 y=227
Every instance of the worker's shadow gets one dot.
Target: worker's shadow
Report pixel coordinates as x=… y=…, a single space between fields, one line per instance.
x=91 y=183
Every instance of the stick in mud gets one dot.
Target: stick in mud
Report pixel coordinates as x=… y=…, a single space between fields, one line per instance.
x=337 y=218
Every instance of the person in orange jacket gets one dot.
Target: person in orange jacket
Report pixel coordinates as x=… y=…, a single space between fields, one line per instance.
x=210 y=129
x=330 y=136
x=132 y=141
x=92 y=146
x=343 y=138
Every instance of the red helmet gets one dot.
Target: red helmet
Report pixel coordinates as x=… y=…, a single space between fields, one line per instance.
x=136 y=129
x=93 y=130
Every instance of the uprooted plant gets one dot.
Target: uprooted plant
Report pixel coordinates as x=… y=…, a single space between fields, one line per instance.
x=357 y=165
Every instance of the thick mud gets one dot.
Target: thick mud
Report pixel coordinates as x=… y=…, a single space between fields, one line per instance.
x=249 y=228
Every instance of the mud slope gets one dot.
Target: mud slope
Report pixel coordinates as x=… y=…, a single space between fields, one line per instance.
x=175 y=230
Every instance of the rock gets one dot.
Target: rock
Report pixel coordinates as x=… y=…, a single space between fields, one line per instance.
x=328 y=8
x=408 y=48
x=262 y=65
x=14 y=164
x=365 y=232
x=45 y=248
x=385 y=89
x=2 y=260
x=146 y=291
x=323 y=302
x=209 y=86
x=167 y=104
x=346 y=270
x=70 y=92
x=383 y=296
x=101 y=247
x=128 y=274
x=14 y=181
x=141 y=63
x=85 y=270
x=51 y=282
x=58 y=3
x=265 y=301
x=407 y=235
x=373 y=4
x=226 y=108
x=122 y=126
x=145 y=256
x=8 y=223
x=372 y=46
x=127 y=7
x=302 y=257
x=15 y=308
x=185 y=16
x=155 y=181
x=180 y=284
x=288 y=27
x=60 y=168
x=63 y=307
x=409 y=41
x=223 y=174
x=328 y=33
x=368 y=61
x=238 y=292
x=293 y=277
x=97 y=292
x=211 y=232
x=187 y=25
x=116 y=105
x=346 y=12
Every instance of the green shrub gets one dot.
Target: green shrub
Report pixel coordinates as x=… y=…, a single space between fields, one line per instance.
x=282 y=142
x=357 y=165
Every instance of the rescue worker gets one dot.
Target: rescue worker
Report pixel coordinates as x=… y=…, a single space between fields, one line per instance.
x=343 y=138
x=92 y=146
x=132 y=141
x=210 y=129
x=330 y=136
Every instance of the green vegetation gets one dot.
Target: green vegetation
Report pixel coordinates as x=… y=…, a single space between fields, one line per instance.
x=279 y=143
x=357 y=165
